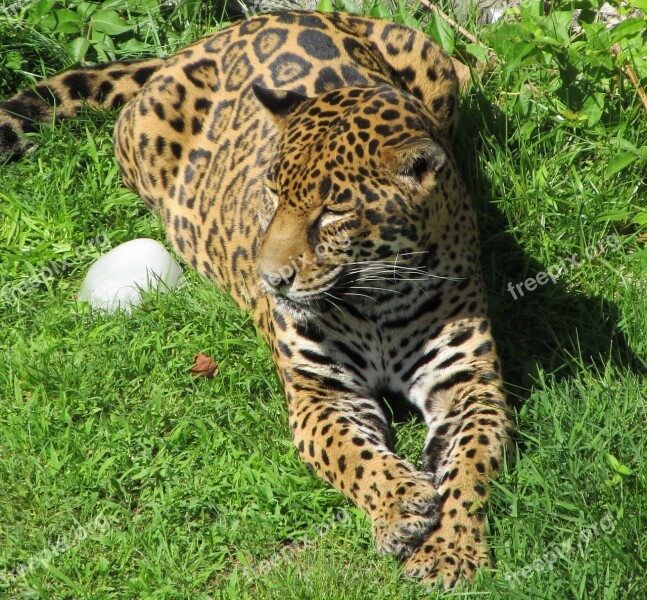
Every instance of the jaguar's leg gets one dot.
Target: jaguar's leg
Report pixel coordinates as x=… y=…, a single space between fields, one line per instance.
x=470 y=429
x=345 y=439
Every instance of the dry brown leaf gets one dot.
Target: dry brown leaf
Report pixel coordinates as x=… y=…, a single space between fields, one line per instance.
x=204 y=366
x=463 y=74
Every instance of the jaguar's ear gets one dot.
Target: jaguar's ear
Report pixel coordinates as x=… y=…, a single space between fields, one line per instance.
x=279 y=103
x=416 y=158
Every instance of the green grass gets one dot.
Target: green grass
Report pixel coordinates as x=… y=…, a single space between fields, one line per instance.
x=196 y=482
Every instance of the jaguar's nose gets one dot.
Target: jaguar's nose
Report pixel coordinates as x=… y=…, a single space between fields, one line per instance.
x=279 y=282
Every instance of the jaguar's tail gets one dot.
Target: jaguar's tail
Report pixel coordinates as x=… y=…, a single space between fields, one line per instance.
x=102 y=86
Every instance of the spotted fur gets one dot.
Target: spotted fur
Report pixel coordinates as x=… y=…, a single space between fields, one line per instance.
x=303 y=161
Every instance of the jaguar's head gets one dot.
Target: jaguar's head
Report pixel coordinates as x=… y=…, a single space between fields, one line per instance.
x=361 y=184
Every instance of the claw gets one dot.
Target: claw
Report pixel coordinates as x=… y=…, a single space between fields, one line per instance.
x=445 y=563
x=401 y=530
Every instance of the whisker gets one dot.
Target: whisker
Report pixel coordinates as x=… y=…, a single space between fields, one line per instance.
x=395 y=271
x=398 y=276
x=328 y=299
x=379 y=278
x=376 y=289
x=386 y=267
x=362 y=295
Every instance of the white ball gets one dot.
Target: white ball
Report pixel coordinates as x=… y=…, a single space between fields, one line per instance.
x=117 y=279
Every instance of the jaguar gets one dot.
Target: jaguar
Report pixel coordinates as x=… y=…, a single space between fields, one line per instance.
x=304 y=162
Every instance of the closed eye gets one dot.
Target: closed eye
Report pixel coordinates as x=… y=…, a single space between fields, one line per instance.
x=329 y=215
x=270 y=181
x=420 y=167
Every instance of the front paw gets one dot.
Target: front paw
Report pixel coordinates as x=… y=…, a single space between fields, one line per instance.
x=411 y=513
x=445 y=559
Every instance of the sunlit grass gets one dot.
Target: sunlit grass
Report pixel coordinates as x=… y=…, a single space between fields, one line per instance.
x=196 y=483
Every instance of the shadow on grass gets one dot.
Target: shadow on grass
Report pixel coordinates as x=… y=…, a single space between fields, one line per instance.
x=549 y=328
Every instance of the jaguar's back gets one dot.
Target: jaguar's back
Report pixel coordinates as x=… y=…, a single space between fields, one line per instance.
x=194 y=136
x=196 y=142
x=303 y=161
